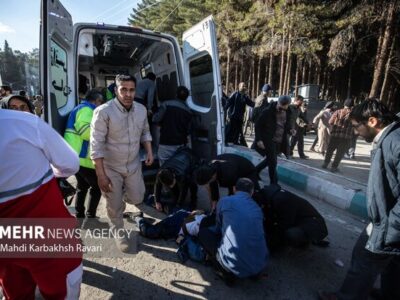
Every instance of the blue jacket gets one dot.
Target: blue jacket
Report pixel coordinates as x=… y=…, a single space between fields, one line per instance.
x=383 y=193
x=243 y=249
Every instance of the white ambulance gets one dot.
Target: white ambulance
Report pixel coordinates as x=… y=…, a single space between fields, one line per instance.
x=92 y=54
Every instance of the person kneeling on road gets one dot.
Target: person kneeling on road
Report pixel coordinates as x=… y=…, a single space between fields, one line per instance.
x=224 y=171
x=176 y=175
x=237 y=244
x=290 y=219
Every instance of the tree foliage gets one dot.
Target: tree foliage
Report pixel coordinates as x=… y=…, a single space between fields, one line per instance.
x=316 y=41
x=18 y=69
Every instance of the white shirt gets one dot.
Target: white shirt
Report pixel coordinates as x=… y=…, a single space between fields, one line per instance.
x=31 y=154
x=194 y=226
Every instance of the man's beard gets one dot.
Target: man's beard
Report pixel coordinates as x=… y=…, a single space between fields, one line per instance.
x=370 y=135
x=369 y=139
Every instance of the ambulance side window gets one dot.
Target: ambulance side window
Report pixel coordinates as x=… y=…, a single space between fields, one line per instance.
x=202 y=81
x=58 y=74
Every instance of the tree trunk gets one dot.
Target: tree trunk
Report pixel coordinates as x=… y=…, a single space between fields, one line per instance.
x=319 y=74
x=241 y=69
x=282 y=73
x=382 y=56
x=236 y=70
x=288 y=66
x=228 y=69
x=310 y=73
x=324 y=86
x=258 y=76
x=288 y=74
x=270 y=69
x=386 y=81
x=253 y=76
x=296 y=81
x=303 y=73
x=349 y=79
x=249 y=77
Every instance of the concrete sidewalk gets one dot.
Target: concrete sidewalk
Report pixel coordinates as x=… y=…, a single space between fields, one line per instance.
x=345 y=189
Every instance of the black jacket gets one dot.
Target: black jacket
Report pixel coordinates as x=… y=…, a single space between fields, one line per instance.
x=283 y=210
x=265 y=127
x=383 y=193
x=236 y=106
x=175 y=119
x=230 y=167
x=182 y=164
x=260 y=104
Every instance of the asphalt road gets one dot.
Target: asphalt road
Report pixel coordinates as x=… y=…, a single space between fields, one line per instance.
x=154 y=272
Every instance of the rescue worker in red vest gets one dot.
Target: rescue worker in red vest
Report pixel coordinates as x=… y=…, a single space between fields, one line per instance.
x=33 y=155
x=77 y=135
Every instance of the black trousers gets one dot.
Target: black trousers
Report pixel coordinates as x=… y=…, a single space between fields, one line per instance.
x=308 y=230
x=315 y=141
x=299 y=140
x=340 y=145
x=352 y=146
x=86 y=179
x=270 y=152
x=233 y=132
x=365 y=268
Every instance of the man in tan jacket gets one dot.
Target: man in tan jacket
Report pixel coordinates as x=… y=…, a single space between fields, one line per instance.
x=117 y=130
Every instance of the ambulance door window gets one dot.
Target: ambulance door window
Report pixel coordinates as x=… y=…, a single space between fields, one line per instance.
x=202 y=81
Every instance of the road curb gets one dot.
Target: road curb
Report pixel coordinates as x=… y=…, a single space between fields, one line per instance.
x=349 y=199
x=336 y=190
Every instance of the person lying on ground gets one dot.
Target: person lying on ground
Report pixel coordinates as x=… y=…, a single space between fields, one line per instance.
x=176 y=225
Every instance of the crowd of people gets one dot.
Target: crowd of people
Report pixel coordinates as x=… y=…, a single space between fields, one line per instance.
x=281 y=125
x=101 y=147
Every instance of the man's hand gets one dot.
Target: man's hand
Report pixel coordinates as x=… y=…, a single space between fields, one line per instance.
x=213 y=205
x=149 y=160
x=293 y=131
x=158 y=206
x=260 y=145
x=104 y=183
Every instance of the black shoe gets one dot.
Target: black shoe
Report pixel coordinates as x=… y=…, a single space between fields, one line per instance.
x=304 y=157
x=227 y=277
x=321 y=243
x=324 y=166
x=312 y=149
x=334 y=170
